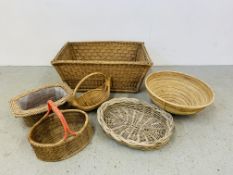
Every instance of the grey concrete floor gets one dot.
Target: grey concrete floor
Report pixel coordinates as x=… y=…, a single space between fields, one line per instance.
x=201 y=144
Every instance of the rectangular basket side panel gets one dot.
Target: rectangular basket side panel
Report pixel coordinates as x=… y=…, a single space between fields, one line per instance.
x=143 y=56
x=65 y=53
x=105 y=51
x=143 y=74
x=125 y=78
x=59 y=68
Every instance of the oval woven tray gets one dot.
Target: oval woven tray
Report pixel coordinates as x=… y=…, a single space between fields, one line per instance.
x=178 y=93
x=135 y=123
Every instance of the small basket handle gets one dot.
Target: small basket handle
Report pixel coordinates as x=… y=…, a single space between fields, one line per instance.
x=52 y=106
x=107 y=81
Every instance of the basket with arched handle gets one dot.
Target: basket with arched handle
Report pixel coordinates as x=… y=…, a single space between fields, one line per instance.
x=60 y=135
x=91 y=99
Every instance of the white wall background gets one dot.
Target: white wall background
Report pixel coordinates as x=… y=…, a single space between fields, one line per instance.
x=176 y=32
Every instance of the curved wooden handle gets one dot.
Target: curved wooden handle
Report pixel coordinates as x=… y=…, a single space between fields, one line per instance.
x=54 y=108
x=107 y=81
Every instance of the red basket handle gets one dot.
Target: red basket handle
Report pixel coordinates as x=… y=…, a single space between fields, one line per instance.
x=52 y=106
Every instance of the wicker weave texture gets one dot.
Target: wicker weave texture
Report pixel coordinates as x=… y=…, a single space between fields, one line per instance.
x=178 y=93
x=31 y=105
x=135 y=123
x=125 y=62
x=46 y=136
x=93 y=98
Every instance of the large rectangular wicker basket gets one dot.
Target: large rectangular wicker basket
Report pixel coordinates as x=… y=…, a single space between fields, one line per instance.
x=126 y=62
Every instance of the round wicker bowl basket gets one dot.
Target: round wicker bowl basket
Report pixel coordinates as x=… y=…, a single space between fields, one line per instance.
x=135 y=123
x=61 y=134
x=178 y=93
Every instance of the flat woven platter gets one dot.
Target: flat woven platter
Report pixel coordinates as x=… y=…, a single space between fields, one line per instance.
x=135 y=123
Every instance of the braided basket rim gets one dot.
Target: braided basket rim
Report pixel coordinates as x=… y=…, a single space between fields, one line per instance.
x=19 y=113
x=193 y=79
x=148 y=61
x=138 y=145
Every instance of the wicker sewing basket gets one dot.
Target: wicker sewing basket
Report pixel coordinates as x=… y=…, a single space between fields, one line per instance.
x=135 y=123
x=125 y=62
x=91 y=99
x=61 y=134
x=178 y=93
x=32 y=104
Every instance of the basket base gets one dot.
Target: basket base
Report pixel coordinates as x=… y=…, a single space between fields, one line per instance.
x=90 y=131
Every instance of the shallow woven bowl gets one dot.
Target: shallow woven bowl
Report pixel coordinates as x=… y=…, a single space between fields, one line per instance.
x=135 y=123
x=178 y=93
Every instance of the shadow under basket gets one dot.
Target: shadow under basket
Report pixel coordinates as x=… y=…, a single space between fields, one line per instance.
x=32 y=105
x=61 y=134
x=125 y=62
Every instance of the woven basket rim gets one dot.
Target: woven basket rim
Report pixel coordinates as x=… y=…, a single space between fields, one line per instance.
x=141 y=63
x=132 y=143
x=175 y=104
x=104 y=42
x=19 y=113
x=148 y=61
x=33 y=142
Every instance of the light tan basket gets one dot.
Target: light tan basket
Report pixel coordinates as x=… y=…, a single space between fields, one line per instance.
x=61 y=134
x=125 y=62
x=32 y=104
x=178 y=93
x=91 y=99
x=135 y=123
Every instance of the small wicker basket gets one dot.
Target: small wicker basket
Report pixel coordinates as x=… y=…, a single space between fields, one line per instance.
x=178 y=93
x=125 y=62
x=53 y=141
x=93 y=98
x=135 y=123
x=32 y=105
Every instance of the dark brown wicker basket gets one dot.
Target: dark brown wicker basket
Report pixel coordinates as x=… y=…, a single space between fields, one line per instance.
x=61 y=134
x=125 y=62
